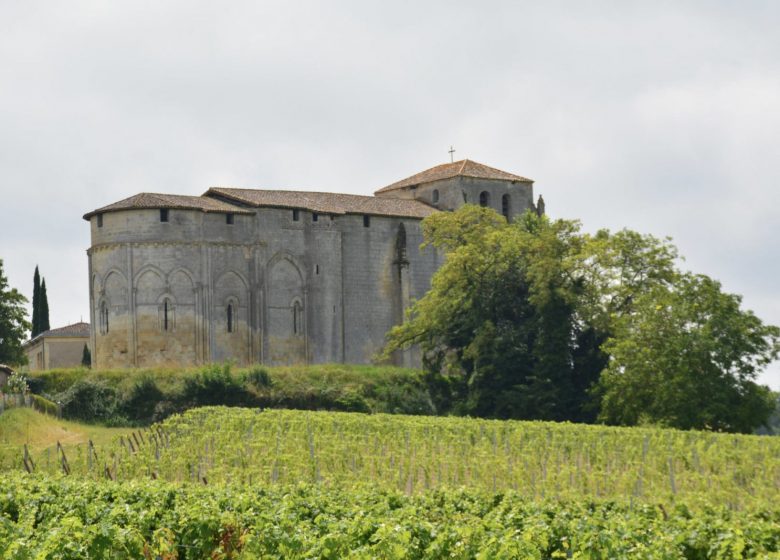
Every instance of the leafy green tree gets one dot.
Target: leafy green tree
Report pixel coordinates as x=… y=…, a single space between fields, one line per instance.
x=687 y=357
x=772 y=425
x=13 y=322
x=535 y=319
x=499 y=319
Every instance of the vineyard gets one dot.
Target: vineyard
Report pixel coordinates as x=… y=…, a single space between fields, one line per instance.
x=228 y=482
x=73 y=518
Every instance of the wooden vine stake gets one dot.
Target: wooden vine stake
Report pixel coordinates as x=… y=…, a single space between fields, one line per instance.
x=63 y=459
x=29 y=466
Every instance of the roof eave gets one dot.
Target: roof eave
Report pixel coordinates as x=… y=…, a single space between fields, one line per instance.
x=237 y=210
x=391 y=188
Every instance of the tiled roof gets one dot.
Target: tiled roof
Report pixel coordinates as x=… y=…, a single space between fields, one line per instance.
x=462 y=168
x=326 y=203
x=175 y=201
x=76 y=329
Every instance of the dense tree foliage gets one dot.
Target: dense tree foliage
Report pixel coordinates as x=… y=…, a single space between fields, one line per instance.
x=13 y=323
x=523 y=318
x=687 y=357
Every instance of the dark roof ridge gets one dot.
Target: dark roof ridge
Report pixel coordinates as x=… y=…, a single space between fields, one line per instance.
x=325 y=202
x=296 y=191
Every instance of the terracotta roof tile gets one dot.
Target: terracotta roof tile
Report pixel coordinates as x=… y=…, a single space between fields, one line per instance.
x=325 y=203
x=462 y=168
x=174 y=201
x=76 y=329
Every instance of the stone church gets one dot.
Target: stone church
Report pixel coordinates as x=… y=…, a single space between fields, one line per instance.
x=272 y=276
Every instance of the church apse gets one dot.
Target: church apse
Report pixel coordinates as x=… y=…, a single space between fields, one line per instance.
x=272 y=276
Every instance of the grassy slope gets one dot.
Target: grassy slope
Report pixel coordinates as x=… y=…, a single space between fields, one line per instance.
x=19 y=426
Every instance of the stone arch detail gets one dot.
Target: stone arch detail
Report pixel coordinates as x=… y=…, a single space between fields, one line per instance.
x=149 y=285
x=230 y=311
x=285 y=302
x=223 y=279
x=286 y=255
x=113 y=318
x=148 y=268
x=181 y=284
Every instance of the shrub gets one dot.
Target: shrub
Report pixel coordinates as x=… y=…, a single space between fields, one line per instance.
x=91 y=401
x=17 y=383
x=350 y=401
x=35 y=385
x=215 y=385
x=44 y=405
x=258 y=377
x=141 y=402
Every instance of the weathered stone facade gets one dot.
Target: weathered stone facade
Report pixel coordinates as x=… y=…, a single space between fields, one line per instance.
x=274 y=277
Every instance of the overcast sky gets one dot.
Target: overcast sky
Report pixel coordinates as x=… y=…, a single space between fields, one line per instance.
x=662 y=117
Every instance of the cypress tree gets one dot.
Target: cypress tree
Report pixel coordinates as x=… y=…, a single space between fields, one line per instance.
x=36 y=303
x=86 y=357
x=44 y=308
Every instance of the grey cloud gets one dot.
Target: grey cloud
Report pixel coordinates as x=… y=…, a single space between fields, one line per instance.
x=659 y=117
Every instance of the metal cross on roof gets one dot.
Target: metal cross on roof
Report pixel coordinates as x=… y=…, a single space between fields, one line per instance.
x=452 y=151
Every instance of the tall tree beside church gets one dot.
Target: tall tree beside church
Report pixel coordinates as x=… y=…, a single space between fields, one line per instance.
x=538 y=320
x=13 y=322
x=36 y=304
x=44 y=308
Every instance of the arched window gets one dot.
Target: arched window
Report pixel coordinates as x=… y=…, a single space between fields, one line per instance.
x=230 y=313
x=103 y=318
x=484 y=198
x=505 y=206
x=166 y=312
x=435 y=196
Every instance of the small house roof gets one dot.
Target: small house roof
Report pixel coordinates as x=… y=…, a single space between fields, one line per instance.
x=80 y=329
x=462 y=168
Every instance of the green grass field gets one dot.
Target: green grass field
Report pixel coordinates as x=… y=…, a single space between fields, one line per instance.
x=19 y=426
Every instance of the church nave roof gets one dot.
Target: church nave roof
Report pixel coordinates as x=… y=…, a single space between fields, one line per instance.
x=325 y=203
